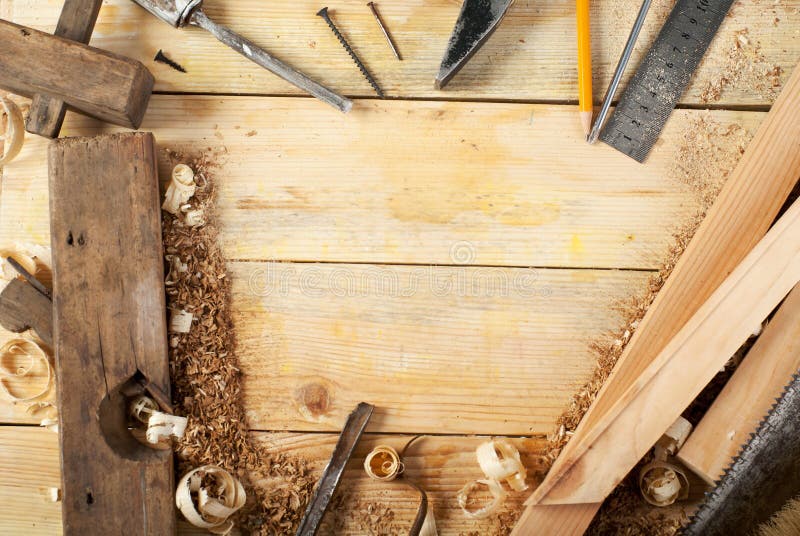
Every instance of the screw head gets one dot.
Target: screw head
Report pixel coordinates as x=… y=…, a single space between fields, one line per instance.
x=323 y=12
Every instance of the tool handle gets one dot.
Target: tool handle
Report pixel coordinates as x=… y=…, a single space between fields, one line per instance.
x=253 y=52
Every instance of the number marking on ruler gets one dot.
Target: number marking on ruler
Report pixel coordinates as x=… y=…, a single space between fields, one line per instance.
x=660 y=81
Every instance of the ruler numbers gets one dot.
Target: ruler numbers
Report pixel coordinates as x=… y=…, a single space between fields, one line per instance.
x=662 y=78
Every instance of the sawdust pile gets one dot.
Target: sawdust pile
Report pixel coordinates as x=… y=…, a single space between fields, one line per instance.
x=707 y=153
x=743 y=66
x=207 y=383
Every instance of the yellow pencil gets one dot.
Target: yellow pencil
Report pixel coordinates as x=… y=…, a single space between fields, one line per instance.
x=585 y=107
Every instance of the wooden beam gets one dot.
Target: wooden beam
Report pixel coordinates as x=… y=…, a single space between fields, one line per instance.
x=748 y=395
x=95 y=82
x=743 y=212
x=110 y=331
x=76 y=23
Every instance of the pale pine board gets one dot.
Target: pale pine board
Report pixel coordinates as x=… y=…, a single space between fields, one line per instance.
x=404 y=182
x=437 y=350
x=441 y=465
x=530 y=57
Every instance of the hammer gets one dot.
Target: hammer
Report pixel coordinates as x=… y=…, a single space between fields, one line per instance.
x=179 y=13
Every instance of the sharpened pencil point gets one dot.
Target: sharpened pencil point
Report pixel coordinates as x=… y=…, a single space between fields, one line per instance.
x=586 y=121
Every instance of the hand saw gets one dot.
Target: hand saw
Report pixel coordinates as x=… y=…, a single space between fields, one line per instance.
x=476 y=23
x=764 y=476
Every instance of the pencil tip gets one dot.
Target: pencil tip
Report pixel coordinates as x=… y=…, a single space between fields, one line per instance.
x=586 y=122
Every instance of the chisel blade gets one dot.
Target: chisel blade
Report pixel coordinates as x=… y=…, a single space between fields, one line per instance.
x=476 y=23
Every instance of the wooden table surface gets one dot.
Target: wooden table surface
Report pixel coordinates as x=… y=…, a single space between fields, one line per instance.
x=445 y=255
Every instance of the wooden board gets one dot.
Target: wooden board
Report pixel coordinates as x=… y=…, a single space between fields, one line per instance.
x=530 y=57
x=95 y=82
x=298 y=184
x=442 y=465
x=110 y=331
x=744 y=402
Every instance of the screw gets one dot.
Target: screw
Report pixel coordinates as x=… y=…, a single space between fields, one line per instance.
x=324 y=14
x=378 y=18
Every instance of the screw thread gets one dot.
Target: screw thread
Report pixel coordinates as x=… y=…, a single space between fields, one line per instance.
x=351 y=52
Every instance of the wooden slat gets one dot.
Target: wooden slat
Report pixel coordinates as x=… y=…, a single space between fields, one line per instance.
x=442 y=465
x=456 y=350
x=531 y=56
x=741 y=215
x=405 y=182
x=748 y=396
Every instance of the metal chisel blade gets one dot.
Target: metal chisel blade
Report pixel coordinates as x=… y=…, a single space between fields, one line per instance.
x=476 y=23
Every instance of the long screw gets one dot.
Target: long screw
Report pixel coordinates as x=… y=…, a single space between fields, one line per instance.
x=324 y=14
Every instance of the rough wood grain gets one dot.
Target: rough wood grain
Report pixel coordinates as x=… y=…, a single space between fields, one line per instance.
x=556 y=519
x=298 y=184
x=442 y=465
x=76 y=23
x=23 y=307
x=748 y=396
x=530 y=57
x=98 y=83
x=110 y=331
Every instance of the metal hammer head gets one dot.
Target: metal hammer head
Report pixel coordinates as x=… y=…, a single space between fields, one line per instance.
x=174 y=12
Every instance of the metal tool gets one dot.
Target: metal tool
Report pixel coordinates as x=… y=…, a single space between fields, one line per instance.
x=660 y=81
x=179 y=13
x=324 y=491
x=386 y=33
x=764 y=476
x=623 y=63
x=476 y=23
x=361 y=67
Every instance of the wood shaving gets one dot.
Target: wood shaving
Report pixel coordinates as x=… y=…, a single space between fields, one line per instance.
x=12 y=130
x=743 y=66
x=207 y=383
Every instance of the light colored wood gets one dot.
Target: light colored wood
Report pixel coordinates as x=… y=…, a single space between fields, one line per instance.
x=748 y=396
x=556 y=519
x=442 y=465
x=531 y=56
x=741 y=215
x=678 y=374
x=405 y=182
x=499 y=352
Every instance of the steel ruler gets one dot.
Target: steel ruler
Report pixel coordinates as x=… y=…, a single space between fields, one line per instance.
x=662 y=77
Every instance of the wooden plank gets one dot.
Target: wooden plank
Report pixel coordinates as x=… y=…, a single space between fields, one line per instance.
x=462 y=350
x=299 y=184
x=748 y=396
x=76 y=23
x=684 y=367
x=530 y=57
x=556 y=519
x=104 y=85
x=442 y=465
x=110 y=330
x=743 y=212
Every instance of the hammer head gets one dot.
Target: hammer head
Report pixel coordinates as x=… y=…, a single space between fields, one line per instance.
x=174 y=12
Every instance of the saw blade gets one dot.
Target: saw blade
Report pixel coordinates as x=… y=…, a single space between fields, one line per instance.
x=764 y=476
x=476 y=23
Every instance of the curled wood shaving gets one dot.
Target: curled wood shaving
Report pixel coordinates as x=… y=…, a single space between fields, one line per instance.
x=13 y=135
x=498 y=496
x=213 y=502
x=32 y=355
x=663 y=483
x=180 y=321
x=383 y=463
x=194 y=218
x=142 y=408
x=162 y=427
x=181 y=188
x=673 y=439
x=499 y=460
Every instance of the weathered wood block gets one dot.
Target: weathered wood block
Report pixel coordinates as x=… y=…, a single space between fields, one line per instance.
x=110 y=332
x=95 y=82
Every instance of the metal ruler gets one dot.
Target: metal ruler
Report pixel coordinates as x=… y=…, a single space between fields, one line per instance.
x=662 y=78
